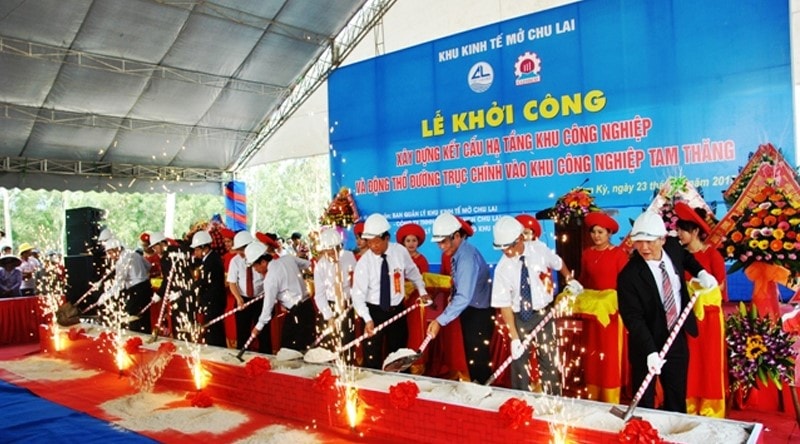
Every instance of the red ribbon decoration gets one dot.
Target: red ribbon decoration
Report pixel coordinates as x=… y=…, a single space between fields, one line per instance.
x=74 y=334
x=403 y=394
x=167 y=347
x=200 y=399
x=516 y=412
x=639 y=431
x=133 y=344
x=257 y=366
x=325 y=382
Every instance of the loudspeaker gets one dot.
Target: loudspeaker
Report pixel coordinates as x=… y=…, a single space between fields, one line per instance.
x=82 y=271
x=83 y=226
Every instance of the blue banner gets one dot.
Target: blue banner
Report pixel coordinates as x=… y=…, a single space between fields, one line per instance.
x=617 y=94
x=236 y=205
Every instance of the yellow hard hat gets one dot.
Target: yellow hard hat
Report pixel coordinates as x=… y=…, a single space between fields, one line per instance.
x=25 y=247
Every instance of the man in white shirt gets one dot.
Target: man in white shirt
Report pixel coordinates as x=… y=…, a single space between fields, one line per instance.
x=284 y=283
x=522 y=289
x=131 y=283
x=28 y=268
x=379 y=289
x=332 y=281
x=245 y=284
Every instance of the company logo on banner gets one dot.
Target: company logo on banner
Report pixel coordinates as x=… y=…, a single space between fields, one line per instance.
x=481 y=77
x=617 y=95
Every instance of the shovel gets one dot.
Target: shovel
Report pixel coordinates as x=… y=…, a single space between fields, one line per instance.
x=405 y=360
x=525 y=343
x=380 y=327
x=626 y=415
x=244 y=347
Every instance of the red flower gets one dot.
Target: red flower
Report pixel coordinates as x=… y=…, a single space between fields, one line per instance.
x=200 y=399
x=516 y=412
x=167 y=347
x=325 y=382
x=133 y=344
x=257 y=366
x=74 y=334
x=639 y=431
x=403 y=394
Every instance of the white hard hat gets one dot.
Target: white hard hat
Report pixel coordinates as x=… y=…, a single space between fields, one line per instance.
x=200 y=238
x=648 y=226
x=374 y=226
x=329 y=238
x=253 y=251
x=242 y=239
x=112 y=244
x=156 y=237
x=105 y=234
x=505 y=232
x=445 y=225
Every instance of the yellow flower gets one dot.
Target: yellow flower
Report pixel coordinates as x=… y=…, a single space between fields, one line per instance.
x=763 y=244
x=775 y=211
x=778 y=233
x=755 y=347
x=753 y=244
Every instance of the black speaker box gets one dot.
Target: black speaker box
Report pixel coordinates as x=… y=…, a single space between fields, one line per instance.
x=83 y=226
x=82 y=271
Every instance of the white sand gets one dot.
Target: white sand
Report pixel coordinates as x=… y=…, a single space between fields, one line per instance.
x=150 y=412
x=48 y=369
x=318 y=355
x=287 y=354
x=398 y=354
x=278 y=434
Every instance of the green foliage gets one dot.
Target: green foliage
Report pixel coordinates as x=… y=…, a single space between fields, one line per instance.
x=282 y=197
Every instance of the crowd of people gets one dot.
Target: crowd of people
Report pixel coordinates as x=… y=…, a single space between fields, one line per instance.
x=325 y=290
x=26 y=274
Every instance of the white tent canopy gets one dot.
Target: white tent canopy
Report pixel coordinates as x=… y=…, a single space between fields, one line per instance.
x=148 y=94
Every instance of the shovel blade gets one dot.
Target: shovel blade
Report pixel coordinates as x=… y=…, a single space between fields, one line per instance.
x=401 y=364
x=624 y=415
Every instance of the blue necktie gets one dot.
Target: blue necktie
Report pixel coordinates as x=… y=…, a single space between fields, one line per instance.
x=386 y=286
x=525 y=303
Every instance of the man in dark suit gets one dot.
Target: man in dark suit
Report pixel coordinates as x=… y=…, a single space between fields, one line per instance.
x=210 y=286
x=652 y=293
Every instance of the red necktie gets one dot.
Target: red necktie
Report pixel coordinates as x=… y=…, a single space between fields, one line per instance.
x=250 y=282
x=669 y=297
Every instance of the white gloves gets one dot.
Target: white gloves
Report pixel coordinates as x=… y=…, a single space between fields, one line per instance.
x=156 y=298
x=173 y=296
x=516 y=349
x=654 y=363
x=706 y=280
x=574 y=287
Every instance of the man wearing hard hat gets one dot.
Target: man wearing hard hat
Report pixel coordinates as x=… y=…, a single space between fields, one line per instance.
x=131 y=284
x=283 y=282
x=471 y=294
x=210 y=286
x=652 y=295
x=245 y=284
x=523 y=291
x=379 y=289
x=332 y=282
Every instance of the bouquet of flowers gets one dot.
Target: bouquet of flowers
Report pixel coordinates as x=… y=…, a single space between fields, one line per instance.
x=574 y=205
x=342 y=210
x=766 y=153
x=758 y=348
x=767 y=231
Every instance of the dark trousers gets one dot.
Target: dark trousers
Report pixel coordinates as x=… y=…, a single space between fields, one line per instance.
x=245 y=321
x=390 y=339
x=673 y=377
x=477 y=326
x=184 y=315
x=546 y=353
x=215 y=334
x=298 y=327
x=343 y=333
x=136 y=298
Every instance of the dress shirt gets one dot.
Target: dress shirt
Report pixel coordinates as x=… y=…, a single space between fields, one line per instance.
x=505 y=286
x=30 y=266
x=325 y=282
x=237 y=274
x=471 y=282
x=283 y=283
x=10 y=280
x=673 y=278
x=367 y=278
x=131 y=269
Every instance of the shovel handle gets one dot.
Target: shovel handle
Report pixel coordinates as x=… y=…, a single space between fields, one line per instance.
x=525 y=343
x=378 y=328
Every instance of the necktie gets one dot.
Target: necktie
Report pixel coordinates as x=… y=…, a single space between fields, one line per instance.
x=249 y=278
x=525 y=303
x=386 y=286
x=669 y=297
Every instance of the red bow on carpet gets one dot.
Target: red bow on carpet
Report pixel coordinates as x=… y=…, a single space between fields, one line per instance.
x=639 y=431
x=257 y=366
x=403 y=394
x=132 y=345
x=516 y=412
